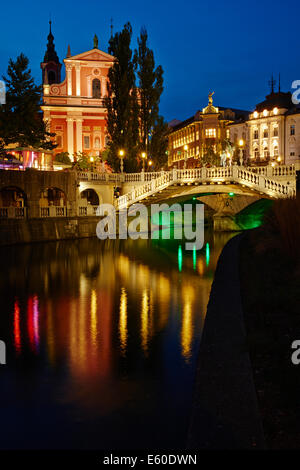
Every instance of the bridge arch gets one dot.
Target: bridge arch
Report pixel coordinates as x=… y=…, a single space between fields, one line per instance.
x=12 y=196
x=91 y=196
x=53 y=197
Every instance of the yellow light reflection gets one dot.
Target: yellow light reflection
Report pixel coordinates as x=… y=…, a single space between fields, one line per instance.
x=123 y=322
x=187 y=328
x=146 y=321
x=94 y=330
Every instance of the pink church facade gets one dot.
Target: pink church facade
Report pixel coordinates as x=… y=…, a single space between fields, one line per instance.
x=74 y=108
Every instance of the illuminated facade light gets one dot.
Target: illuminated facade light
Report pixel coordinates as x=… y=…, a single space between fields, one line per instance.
x=275 y=111
x=255 y=114
x=265 y=113
x=210 y=133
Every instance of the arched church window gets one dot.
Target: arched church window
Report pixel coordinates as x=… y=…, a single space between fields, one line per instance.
x=96 y=88
x=51 y=77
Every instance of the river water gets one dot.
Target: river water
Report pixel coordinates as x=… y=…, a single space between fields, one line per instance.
x=102 y=341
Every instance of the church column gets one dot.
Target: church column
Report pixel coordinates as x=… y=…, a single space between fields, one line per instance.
x=89 y=87
x=70 y=137
x=79 y=134
x=103 y=87
x=69 y=79
x=78 y=87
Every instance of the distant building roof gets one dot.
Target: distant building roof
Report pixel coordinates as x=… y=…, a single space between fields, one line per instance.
x=277 y=99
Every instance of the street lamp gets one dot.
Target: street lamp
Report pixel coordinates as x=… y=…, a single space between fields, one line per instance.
x=185 y=148
x=150 y=163
x=91 y=162
x=121 y=155
x=241 y=144
x=144 y=156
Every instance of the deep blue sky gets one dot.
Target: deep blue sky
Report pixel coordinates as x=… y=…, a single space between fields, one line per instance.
x=230 y=47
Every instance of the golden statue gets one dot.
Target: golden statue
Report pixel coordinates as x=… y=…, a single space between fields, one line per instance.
x=210 y=99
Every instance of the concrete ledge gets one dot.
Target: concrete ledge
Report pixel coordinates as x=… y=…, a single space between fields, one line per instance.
x=39 y=230
x=225 y=412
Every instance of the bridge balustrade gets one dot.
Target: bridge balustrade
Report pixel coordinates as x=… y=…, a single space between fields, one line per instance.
x=53 y=211
x=12 y=212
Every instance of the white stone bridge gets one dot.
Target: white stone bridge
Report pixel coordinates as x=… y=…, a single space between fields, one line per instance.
x=271 y=182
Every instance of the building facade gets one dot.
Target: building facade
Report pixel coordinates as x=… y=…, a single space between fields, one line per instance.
x=74 y=108
x=272 y=132
x=189 y=140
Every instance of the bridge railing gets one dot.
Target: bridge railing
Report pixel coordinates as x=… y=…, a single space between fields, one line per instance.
x=117 y=177
x=53 y=211
x=12 y=212
x=277 y=170
x=235 y=174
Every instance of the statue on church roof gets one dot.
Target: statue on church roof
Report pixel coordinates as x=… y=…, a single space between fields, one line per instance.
x=95 y=41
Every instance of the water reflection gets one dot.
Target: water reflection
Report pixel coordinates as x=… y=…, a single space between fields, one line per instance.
x=123 y=322
x=114 y=330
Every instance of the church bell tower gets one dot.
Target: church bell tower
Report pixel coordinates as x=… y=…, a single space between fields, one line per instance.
x=51 y=66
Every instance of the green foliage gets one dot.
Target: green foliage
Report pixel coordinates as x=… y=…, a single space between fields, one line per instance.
x=133 y=120
x=121 y=103
x=210 y=157
x=21 y=121
x=158 y=143
x=63 y=157
x=150 y=84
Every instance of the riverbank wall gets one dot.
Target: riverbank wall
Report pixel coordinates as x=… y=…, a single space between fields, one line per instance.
x=13 y=232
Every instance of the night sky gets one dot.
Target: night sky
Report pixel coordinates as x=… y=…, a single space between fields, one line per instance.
x=228 y=47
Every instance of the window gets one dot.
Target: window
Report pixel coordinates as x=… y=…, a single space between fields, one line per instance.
x=97 y=143
x=96 y=88
x=275 y=131
x=51 y=77
x=256 y=154
x=266 y=152
x=266 y=133
x=86 y=141
x=292 y=129
x=255 y=134
x=211 y=133
x=292 y=154
x=275 y=151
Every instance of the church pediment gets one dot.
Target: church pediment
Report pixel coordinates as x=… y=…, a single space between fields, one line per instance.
x=94 y=55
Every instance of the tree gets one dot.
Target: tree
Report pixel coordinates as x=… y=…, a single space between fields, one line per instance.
x=121 y=103
x=150 y=86
x=63 y=157
x=158 y=143
x=21 y=122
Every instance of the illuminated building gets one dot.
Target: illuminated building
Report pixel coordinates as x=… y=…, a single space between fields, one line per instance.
x=74 y=108
x=272 y=132
x=188 y=140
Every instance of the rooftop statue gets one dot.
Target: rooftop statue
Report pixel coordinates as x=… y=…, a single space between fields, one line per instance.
x=210 y=99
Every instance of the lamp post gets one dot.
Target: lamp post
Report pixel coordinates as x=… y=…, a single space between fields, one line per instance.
x=92 y=163
x=150 y=163
x=144 y=156
x=121 y=155
x=241 y=144
x=185 y=148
